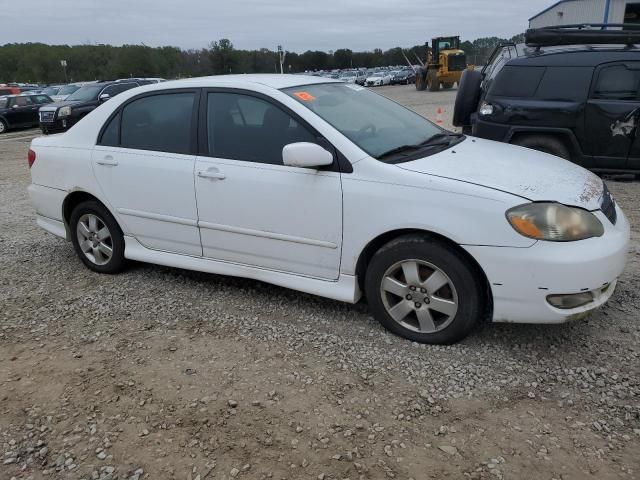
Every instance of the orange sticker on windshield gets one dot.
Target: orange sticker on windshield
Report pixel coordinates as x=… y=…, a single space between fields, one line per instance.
x=305 y=96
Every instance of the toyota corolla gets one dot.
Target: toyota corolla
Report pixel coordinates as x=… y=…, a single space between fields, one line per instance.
x=328 y=188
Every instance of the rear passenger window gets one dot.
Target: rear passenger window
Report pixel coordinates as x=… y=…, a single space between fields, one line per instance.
x=243 y=127
x=111 y=134
x=617 y=82
x=517 y=81
x=159 y=123
x=565 y=83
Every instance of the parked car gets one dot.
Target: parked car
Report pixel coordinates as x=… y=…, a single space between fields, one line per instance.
x=314 y=185
x=403 y=77
x=7 y=90
x=574 y=101
x=60 y=116
x=19 y=111
x=66 y=90
x=378 y=79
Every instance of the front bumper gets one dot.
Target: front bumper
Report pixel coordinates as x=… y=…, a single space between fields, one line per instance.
x=58 y=125
x=522 y=278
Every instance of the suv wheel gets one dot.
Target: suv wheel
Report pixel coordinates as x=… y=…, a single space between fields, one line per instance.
x=97 y=238
x=544 y=143
x=3 y=126
x=467 y=97
x=423 y=290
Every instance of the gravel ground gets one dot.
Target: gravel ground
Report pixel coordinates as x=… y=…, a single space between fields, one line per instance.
x=161 y=373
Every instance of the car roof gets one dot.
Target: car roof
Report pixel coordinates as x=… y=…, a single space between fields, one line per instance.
x=272 y=80
x=576 y=56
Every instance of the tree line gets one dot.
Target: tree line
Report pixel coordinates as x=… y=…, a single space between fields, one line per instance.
x=41 y=63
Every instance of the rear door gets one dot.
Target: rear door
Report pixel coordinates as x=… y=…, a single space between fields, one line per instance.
x=144 y=164
x=611 y=115
x=22 y=111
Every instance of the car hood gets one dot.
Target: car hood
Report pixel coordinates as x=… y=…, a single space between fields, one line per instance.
x=530 y=174
x=56 y=105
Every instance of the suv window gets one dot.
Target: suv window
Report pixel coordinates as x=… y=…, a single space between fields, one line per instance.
x=565 y=83
x=41 y=99
x=113 y=90
x=617 y=82
x=243 y=127
x=159 y=123
x=517 y=81
x=21 y=101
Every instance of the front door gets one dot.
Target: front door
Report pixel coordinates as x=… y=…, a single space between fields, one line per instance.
x=22 y=111
x=612 y=114
x=252 y=209
x=144 y=164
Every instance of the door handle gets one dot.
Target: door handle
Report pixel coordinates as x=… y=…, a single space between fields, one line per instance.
x=212 y=173
x=107 y=161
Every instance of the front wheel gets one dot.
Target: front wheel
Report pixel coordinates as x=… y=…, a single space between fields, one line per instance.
x=3 y=126
x=97 y=238
x=424 y=290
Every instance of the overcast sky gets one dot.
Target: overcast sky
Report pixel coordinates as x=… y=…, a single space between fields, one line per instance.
x=298 y=25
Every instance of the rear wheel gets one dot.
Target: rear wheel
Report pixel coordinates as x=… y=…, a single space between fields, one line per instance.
x=3 y=126
x=97 y=238
x=544 y=143
x=423 y=290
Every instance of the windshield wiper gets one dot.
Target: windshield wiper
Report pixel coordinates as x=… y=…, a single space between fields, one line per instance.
x=433 y=141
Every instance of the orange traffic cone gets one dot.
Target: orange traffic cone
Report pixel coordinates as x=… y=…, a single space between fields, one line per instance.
x=439 y=113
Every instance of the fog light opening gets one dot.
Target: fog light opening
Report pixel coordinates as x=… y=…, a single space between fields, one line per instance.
x=572 y=300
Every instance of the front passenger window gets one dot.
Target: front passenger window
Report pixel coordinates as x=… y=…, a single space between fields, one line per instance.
x=160 y=123
x=244 y=127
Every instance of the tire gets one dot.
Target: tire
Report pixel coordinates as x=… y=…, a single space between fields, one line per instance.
x=96 y=257
x=3 y=127
x=424 y=322
x=432 y=80
x=544 y=143
x=421 y=80
x=467 y=98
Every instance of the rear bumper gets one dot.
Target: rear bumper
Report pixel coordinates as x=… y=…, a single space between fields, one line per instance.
x=489 y=130
x=522 y=278
x=47 y=203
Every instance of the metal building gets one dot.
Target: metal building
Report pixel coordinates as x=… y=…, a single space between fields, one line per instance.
x=568 y=12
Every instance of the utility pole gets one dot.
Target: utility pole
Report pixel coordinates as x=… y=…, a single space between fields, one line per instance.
x=281 y=55
x=63 y=64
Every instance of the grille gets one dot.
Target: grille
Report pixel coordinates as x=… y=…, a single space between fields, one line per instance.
x=47 y=117
x=608 y=205
x=457 y=63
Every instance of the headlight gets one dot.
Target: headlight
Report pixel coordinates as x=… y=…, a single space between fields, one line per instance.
x=64 y=112
x=554 y=222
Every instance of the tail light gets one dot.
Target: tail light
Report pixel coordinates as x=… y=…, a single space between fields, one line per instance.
x=31 y=158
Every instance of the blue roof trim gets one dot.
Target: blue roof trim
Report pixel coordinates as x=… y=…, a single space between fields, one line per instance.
x=549 y=8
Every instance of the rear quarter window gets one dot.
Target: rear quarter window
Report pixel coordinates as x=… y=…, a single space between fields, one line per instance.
x=517 y=81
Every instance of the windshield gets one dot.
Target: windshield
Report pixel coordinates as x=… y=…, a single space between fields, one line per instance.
x=68 y=89
x=88 y=92
x=373 y=122
x=51 y=90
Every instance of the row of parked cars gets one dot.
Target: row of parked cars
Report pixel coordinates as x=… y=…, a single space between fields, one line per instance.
x=373 y=77
x=57 y=108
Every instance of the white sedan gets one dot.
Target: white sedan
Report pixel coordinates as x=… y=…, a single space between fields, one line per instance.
x=378 y=79
x=331 y=189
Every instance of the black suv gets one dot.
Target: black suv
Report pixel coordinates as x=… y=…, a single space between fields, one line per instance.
x=61 y=116
x=21 y=110
x=570 y=91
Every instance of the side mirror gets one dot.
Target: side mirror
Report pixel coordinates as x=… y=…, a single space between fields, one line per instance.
x=104 y=97
x=306 y=155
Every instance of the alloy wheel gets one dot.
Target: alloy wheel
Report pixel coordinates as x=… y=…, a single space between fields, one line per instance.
x=419 y=296
x=94 y=239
